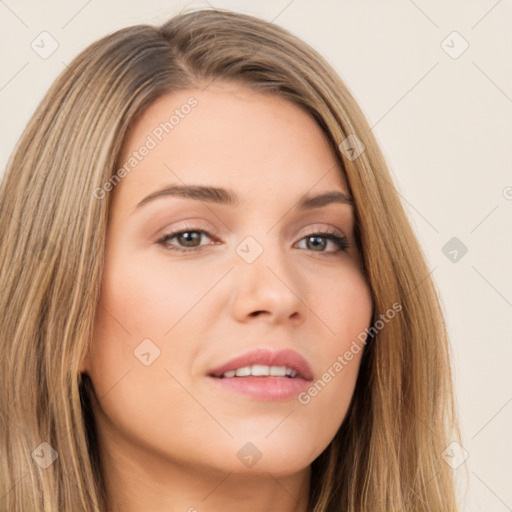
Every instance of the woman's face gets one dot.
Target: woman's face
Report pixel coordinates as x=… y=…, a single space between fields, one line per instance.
x=261 y=272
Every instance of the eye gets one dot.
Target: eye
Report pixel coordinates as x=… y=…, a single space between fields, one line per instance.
x=189 y=239
x=319 y=240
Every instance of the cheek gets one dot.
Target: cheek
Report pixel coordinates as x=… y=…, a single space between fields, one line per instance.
x=345 y=303
x=147 y=299
x=145 y=309
x=136 y=309
x=347 y=308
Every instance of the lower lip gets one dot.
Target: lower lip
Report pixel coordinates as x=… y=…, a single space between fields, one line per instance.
x=264 y=388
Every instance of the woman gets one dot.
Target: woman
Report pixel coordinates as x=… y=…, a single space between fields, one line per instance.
x=298 y=360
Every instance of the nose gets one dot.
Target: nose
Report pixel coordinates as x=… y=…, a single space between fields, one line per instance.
x=268 y=288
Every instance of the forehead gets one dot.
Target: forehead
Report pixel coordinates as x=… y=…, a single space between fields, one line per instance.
x=231 y=136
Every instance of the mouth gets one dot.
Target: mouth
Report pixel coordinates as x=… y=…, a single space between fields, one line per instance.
x=260 y=370
x=265 y=375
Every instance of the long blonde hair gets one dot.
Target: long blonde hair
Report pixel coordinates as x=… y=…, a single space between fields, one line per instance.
x=386 y=456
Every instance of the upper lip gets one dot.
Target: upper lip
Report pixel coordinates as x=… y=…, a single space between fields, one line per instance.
x=267 y=357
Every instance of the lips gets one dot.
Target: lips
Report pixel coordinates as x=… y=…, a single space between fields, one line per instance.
x=264 y=357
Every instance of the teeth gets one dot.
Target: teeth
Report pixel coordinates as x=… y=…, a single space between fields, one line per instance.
x=243 y=372
x=290 y=372
x=258 y=370
x=277 y=371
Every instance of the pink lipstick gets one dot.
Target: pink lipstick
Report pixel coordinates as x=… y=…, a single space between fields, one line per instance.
x=264 y=374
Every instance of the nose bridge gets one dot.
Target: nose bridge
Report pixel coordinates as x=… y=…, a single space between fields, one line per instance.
x=265 y=278
x=260 y=236
x=262 y=248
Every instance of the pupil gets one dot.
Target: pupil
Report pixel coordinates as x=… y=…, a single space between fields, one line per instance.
x=189 y=236
x=322 y=241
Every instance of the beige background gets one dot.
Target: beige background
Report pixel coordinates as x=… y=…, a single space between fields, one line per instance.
x=445 y=125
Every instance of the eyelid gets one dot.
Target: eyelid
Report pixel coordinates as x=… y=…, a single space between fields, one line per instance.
x=193 y=225
x=311 y=230
x=186 y=225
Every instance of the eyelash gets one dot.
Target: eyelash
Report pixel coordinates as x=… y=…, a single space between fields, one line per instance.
x=340 y=241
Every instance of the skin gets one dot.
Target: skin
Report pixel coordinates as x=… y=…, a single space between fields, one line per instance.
x=168 y=437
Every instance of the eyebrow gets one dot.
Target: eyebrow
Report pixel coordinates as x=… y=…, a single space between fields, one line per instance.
x=226 y=197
